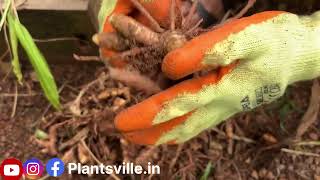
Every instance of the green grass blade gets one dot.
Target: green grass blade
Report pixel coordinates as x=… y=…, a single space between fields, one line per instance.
x=14 y=49
x=39 y=64
x=4 y=15
x=207 y=172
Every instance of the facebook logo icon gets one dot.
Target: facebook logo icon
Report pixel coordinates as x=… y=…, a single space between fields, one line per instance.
x=55 y=167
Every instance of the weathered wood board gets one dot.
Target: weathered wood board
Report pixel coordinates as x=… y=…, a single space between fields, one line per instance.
x=44 y=24
x=51 y=4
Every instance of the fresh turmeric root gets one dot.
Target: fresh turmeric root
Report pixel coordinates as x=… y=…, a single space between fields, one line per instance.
x=143 y=47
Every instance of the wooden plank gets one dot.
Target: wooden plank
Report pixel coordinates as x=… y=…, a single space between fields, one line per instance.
x=51 y=4
x=58 y=24
x=93 y=10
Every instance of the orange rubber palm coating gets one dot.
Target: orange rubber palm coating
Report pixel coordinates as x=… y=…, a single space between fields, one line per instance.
x=122 y=7
x=188 y=59
x=140 y=116
x=151 y=135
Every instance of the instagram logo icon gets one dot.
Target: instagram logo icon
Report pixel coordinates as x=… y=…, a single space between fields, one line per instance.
x=33 y=168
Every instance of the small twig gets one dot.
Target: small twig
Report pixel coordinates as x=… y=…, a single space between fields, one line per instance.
x=9 y=48
x=290 y=151
x=75 y=105
x=50 y=144
x=19 y=95
x=172 y=15
x=224 y=20
x=192 y=29
x=174 y=160
x=59 y=39
x=20 y=5
x=226 y=16
x=237 y=170
x=15 y=101
x=154 y=24
x=86 y=58
x=235 y=137
x=244 y=10
x=4 y=54
x=312 y=113
x=308 y=143
x=230 y=134
x=145 y=156
x=95 y=158
x=75 y=139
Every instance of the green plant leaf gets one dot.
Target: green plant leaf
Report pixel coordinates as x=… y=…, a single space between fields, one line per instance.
x=14 y=49
x=39 y=64
x=107 y=7
x=207 y=172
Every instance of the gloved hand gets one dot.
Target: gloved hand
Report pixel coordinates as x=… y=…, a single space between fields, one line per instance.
x=260 y=56
x=158 y=9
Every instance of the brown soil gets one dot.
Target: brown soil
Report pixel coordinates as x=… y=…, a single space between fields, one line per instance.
x=268 y=126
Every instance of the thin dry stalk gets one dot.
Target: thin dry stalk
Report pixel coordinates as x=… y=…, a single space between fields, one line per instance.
x=244 y=10
x=229 y=133
x=172 y=15
x=19 y=95
x=59 y=39
x=145 y=155
x=86 y=58
x=50 y=144
x=154 y=24
x=125 y=150
x=224 y=20
x=75 y=105
x=75 y=139
x=299 y=153
x=312 y=112
x=15 y=101
x=308 y=143
x=192 y=29
x=95 y=158
x=235 y=137
x=174 y=160
x=189 y=17
x=237 y=170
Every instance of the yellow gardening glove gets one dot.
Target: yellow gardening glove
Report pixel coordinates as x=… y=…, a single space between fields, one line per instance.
x=260 y=55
